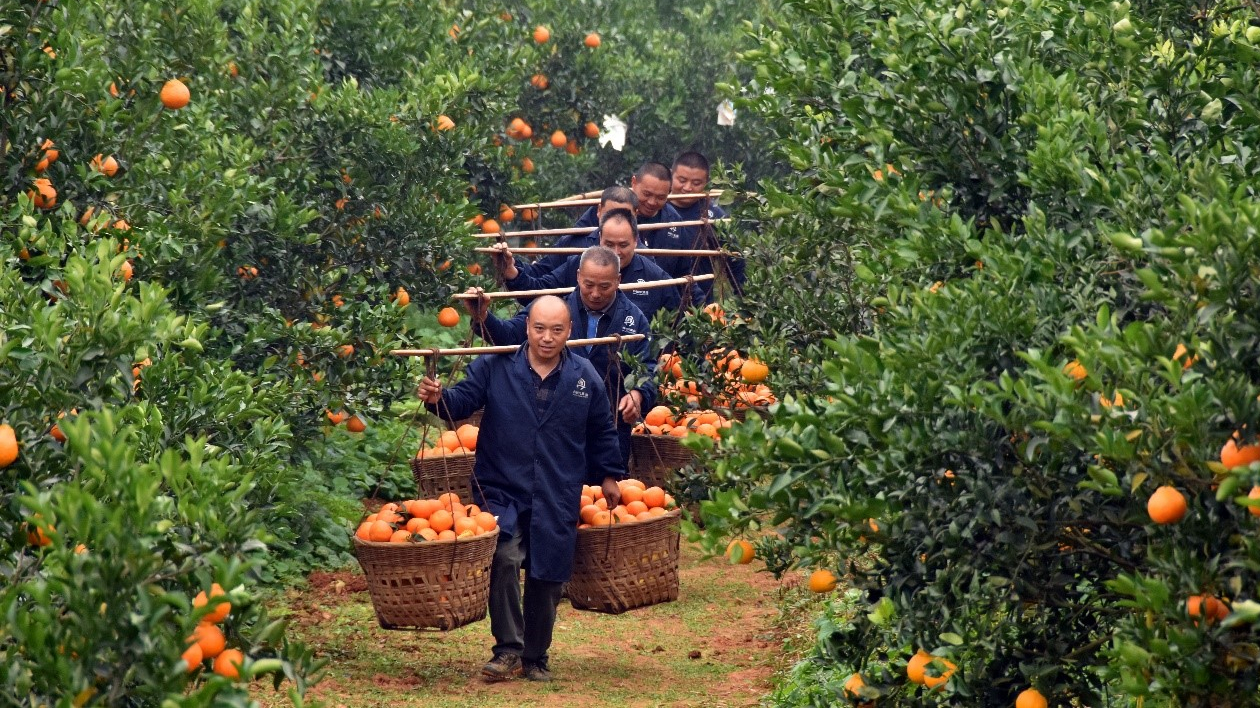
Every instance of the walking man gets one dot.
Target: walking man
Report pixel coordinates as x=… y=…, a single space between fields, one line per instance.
x=547 y=430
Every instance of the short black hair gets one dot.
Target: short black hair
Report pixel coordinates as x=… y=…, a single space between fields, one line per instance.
x=692 y=159
x=622 y=215
x=653 y=169
x=619 y=194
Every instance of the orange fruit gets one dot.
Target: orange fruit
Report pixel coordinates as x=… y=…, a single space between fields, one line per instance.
x=527 y=166
x=447 y=535
x=631 y=493
x=854 y=684
x=938 y=682
x=465 y=523
x=657 y=511
x=107 y=166
x=1031 y=698
x=541 y=34
x=38 y=537
x=591 y=130
x=356 y=424
x=915 y=667
x=364 y=532
x=210 y=638
x=1234 y=456
x=336 y=418
x=592 y=40
x=126 y=270
x=345 y=351
x=558 y=139
x=601 y=518
x=400 y=536
x=229 y=663
x=467 y=435
x=401 y=297
x=428 y=534
x=635 y=508
x=1207 y=606
x=381 y=531
x=1075 y=369
x=448 y=317
x=441 y=520
x=822 y=580
x=445 y=123
x=740 y=551
x=654 y=496
x=486 y=521
x=753 y=371
x=174 y=94
x=1166 y=505
x=448 y=500
x=220 y=610
x=450 y=441
x=474 y=269
x=658 y=416
x=193 y=656
x=1254 y=494
x=588 y=512
x=539 y=81
x=1181 y=352
x=416 y=524
x=44 y=195
x=506 y=214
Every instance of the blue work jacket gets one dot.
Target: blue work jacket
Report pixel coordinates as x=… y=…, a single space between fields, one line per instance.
x=623 y=317
x=640 y=270
x=546 y=264
x=667 y=213
x=526 y=462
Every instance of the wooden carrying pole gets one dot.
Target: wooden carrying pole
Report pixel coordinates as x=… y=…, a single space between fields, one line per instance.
x=595 y=200
x=640 y=251
x=508 y=349
x=646 y=285
x=573 y=230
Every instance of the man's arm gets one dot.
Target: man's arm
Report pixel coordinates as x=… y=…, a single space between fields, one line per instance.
x=562 y=277
x=603 y=449
x=498 y=331
x=462 y=399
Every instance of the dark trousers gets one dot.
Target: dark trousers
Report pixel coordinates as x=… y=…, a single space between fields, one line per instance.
x=527 y=632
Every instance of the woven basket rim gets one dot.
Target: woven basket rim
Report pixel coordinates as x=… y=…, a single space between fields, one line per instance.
x=457 y=453
x=667 y=516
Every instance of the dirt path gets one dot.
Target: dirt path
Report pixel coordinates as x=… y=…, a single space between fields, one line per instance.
x=716 y=646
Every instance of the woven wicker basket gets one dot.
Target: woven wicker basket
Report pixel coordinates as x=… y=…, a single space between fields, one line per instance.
x=474 y=419
x=655 y=458
x=625 y=566
x=439 y=475
x=430 y=585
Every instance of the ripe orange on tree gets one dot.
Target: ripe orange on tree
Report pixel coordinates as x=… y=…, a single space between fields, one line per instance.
x=753 y=371
x=174 y=94
x=1253 y=494
x=221 y=609
x=739 y=551
x=506 y=214
x=107 y=166
x=8 y=445
x=490 y=226
x=558 y=139
x=356 y=424
x=1075 y=369
x=229 y=663
x=572 y=147
x=540 y=82
x=1234 y=456
x=43 y=195
x=592 y=40
x=445 y=123
x=1206 y=606
x=336 y=418
x=916 y=666
x=210 y=638
x=822 y=580
x=193 y=657
x=448 y=317
x=474 y=269
x=401 y=297
x=591 y=130
x=1031 y=698
x=1166 y=505
x=527 y=166
x=541 y=34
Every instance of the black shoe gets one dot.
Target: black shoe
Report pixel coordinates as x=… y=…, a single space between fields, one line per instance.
x=503 y=667
x=537 y=671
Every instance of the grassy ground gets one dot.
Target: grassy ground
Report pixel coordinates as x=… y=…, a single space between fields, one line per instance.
x=717 y=646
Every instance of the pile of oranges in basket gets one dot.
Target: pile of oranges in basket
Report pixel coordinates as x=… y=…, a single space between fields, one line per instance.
x=461 y=441
x=662 y=420
x=638 y=503
x=420 y=520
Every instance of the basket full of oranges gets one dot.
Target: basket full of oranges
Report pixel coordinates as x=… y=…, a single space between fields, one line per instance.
x=627 y=556
x=448 y=465
x=427 y=562
x=656 y=449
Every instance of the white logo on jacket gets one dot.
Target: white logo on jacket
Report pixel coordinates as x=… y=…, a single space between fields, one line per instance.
x=579 y=389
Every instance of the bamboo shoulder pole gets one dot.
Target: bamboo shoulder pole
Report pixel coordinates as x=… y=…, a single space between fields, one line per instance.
x=640 y=251
x=588 y=229
x=508 y=349
x=646 y=285
x=595 y=200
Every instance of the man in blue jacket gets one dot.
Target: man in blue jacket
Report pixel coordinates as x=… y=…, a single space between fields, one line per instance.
x=547 y=430
x=615 y=197
x=691 y=176
x=620 y=233
x=651 y=184
x=597 y=309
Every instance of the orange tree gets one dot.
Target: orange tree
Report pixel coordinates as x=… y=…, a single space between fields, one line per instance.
x=1026 y=231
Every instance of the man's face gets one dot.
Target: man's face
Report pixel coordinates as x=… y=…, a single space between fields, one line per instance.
x=598 y=285
x=612 y=204
x=548 y=330
x=688 y=180
x=618 y=236
x=651 y=192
